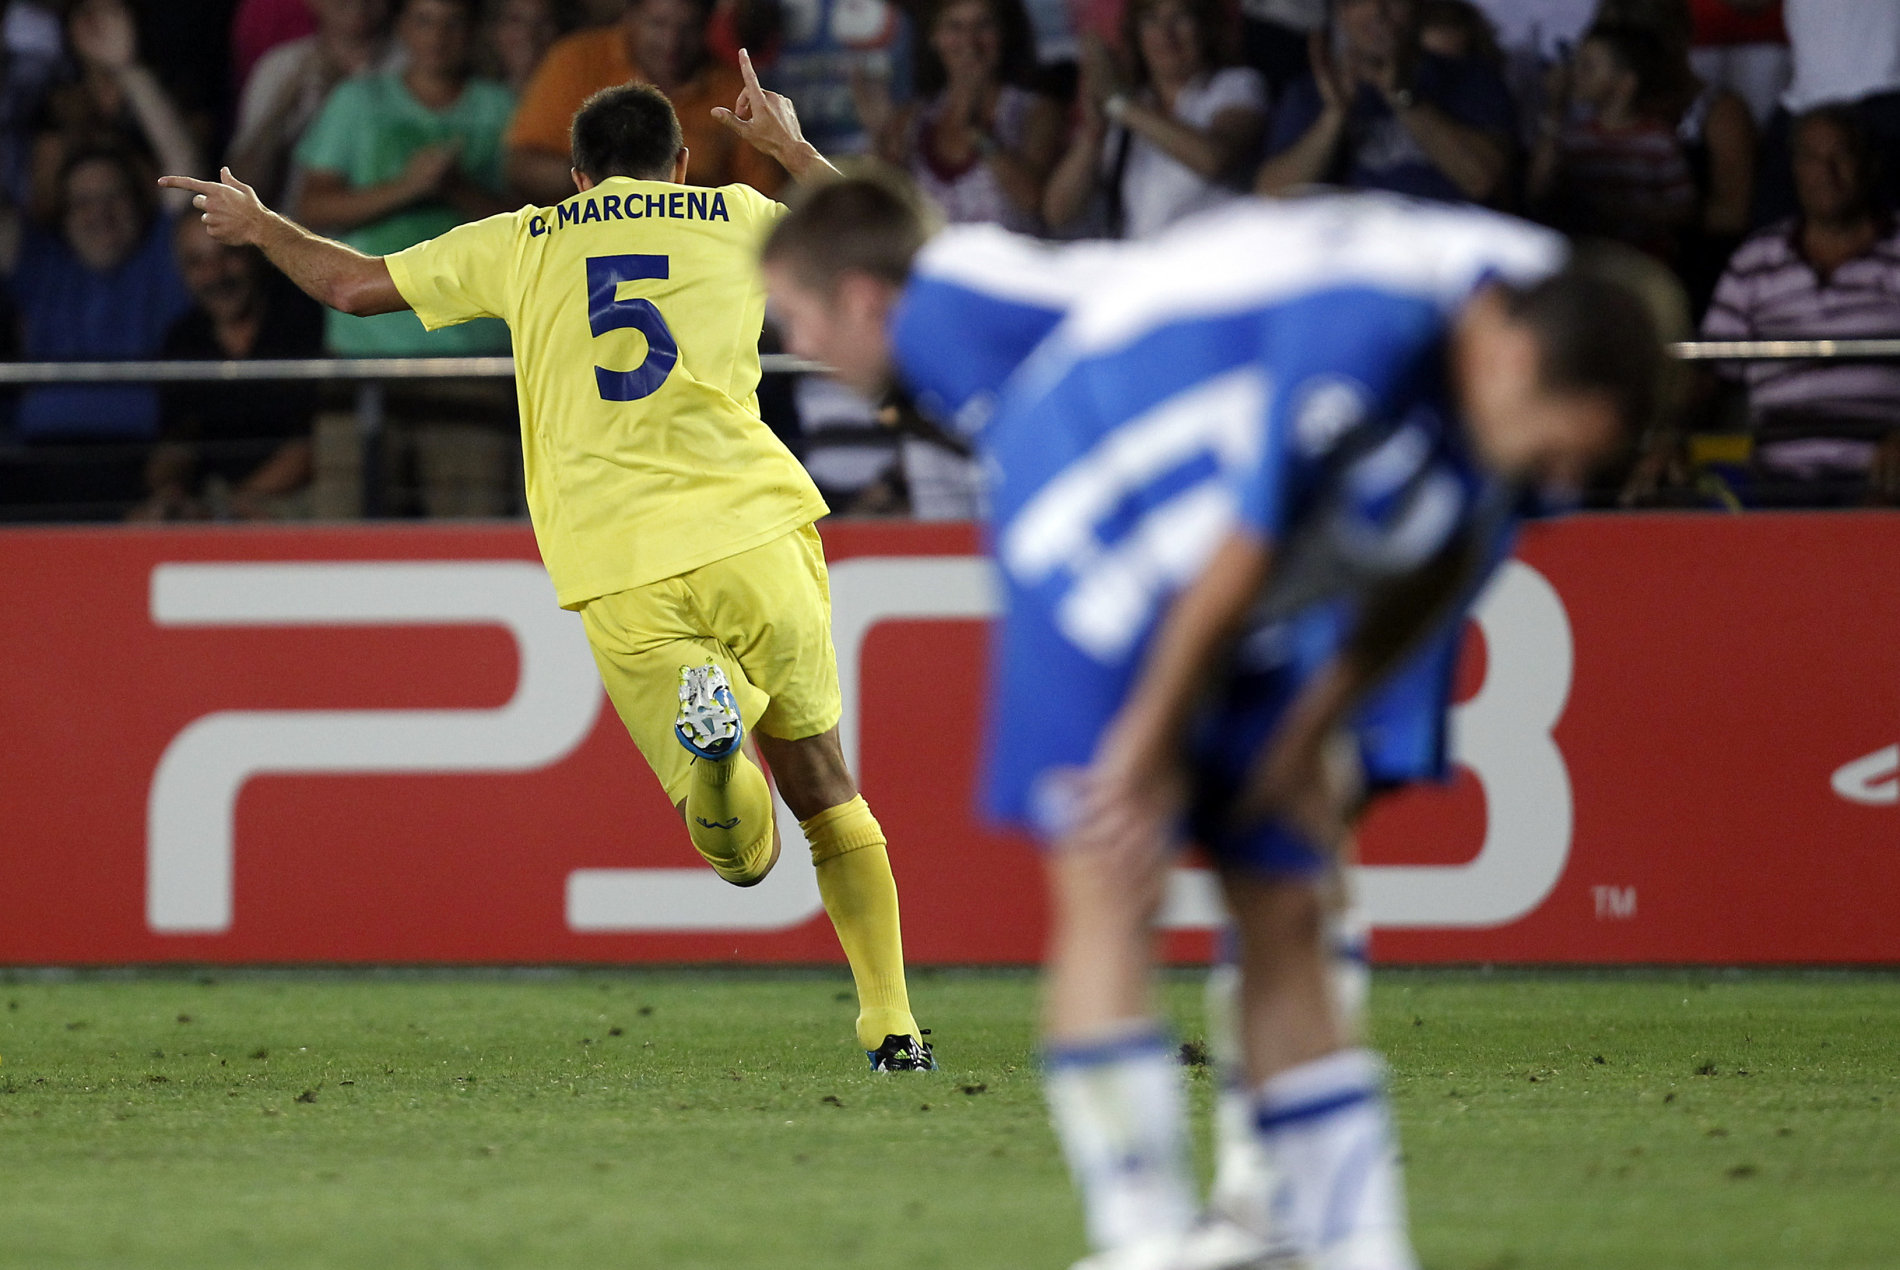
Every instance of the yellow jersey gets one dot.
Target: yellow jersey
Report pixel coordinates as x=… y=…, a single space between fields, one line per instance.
x=635 y=309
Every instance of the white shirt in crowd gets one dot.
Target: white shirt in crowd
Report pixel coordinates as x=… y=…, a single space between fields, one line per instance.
x=1844 y=50
x=1157 y=189
x=1547 y=28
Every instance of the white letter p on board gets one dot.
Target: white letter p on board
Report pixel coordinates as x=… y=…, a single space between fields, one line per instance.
x=190 y=814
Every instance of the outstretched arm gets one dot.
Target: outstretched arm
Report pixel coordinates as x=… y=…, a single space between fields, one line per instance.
x=766 y=122
x=327 y=271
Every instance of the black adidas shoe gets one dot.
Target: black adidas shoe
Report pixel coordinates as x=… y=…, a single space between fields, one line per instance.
x=902 y=1054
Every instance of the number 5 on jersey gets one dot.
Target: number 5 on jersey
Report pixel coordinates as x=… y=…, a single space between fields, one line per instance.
x=605 y=313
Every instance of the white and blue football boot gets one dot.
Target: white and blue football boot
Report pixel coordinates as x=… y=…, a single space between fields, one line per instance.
x=708 y=724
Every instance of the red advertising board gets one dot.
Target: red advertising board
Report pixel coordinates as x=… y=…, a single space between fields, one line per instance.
x=1680 y=743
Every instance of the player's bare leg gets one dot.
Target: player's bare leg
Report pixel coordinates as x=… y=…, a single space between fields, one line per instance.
x=1099 y=969
x=1114 y=1085
x=854 y=879
x=1287 y=1011
x=1241 y=1171
x=1330 y=1176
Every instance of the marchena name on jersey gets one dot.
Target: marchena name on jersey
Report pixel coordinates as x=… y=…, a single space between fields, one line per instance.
x=676 y=204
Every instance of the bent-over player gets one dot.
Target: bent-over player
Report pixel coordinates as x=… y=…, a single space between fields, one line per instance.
x=1242 y=470
x=666 y=511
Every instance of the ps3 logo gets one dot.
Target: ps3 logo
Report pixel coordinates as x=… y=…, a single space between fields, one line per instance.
x=1503 y=735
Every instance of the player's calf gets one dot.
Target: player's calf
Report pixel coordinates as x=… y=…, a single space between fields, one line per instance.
x=1243 y=1183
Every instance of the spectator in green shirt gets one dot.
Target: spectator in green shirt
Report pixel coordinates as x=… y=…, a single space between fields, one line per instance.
x=393 y=159
x=399 y=157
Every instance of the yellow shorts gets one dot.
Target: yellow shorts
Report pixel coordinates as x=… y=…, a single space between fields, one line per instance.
x=763 y=615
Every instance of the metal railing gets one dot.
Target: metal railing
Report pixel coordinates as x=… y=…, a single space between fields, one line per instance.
x=371 y=375
x=320 y=369
x=1871 y=350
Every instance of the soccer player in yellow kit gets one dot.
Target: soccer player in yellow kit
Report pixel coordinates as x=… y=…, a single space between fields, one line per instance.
x=666 y=511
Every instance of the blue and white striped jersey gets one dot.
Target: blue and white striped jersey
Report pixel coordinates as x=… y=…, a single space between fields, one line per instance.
x=1277 y=365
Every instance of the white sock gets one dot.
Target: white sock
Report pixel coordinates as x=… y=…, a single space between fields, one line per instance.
x=1339 y=1196
x=1243 y=1181
x=1119 y=1111
x=1348 y=941
x=1241 y=1187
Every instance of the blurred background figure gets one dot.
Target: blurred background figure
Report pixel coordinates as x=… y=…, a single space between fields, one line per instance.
x=516 y=35
x=115 y=102
x=398 y=157
x=258 y=26
x=102 y=286
x=1456 y=30
x=1274 y=35
x=658 y=42
x=1843 y=54
x=1544 y=29
x=1833 y=271
x=1175 y=137
x=1375 y=111
x=1609 y=163
x=395 y=158
x=1741 y=45
x=32 y=61
x=1534 y=35
x=1716 y=129
x=187 y=43
x=292 y=81
x=238 y=451
x=827 y=54
x=979 y=141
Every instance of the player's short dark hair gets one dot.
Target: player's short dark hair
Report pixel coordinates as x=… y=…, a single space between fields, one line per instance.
x=872 y=221
x=1603 y=325
x=626 y=130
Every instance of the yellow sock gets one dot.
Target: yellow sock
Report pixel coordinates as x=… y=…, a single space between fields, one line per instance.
x=729 y=816
x=854 y=877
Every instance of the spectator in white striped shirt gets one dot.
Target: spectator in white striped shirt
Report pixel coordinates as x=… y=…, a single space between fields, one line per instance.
x=1831 y=272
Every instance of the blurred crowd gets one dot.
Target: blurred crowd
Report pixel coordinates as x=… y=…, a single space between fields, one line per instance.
x=1746 y=143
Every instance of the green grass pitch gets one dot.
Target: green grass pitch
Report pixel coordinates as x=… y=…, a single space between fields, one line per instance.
x=722 y=1119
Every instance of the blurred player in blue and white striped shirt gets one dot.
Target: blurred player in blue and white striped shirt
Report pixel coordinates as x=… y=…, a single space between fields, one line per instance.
x=1244 y=475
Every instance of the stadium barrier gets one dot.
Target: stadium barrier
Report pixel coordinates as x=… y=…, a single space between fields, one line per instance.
x=368 y=380
x=381 y=743
x=375 y=743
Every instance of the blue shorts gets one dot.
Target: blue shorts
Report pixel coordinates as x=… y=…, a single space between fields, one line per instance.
x=1402 y=728
x=1050 y=704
